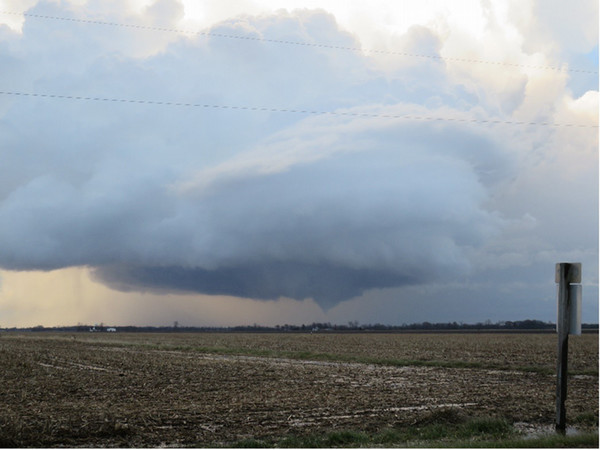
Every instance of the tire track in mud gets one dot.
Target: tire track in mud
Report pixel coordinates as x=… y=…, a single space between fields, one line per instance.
x=67 y=365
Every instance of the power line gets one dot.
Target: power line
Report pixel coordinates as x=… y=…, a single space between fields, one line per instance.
x=306 y=44
x=295 y=111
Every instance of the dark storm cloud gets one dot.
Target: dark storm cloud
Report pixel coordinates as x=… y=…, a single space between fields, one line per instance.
x=367 y=210
x=329 y=229
x=327 y=284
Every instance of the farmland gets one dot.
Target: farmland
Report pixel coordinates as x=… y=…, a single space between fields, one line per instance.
x=226 y=389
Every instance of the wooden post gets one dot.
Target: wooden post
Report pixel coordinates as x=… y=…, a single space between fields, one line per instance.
x=566 y=273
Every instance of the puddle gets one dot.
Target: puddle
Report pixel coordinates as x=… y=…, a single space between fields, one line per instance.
x=531 y=430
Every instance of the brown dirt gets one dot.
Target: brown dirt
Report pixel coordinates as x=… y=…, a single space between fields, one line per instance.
x=125 y=390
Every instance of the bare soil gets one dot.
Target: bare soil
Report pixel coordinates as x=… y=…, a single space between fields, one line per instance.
x=176 y=390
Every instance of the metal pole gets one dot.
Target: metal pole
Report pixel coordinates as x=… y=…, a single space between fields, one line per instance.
x=563 y=345
x=566 y=273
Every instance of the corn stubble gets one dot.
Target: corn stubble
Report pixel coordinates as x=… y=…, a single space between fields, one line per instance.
x=200 y=390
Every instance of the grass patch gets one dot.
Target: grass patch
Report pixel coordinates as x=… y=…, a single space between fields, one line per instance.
x=485 y=427
x=440 y=429
x=431 y=436
x=587 y=440
x=251 y=443
x=586 y=419
x=346 y=439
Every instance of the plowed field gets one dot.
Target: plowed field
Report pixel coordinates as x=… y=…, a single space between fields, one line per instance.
x=202 y=390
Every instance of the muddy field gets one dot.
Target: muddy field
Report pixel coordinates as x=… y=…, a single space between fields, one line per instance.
x=151 y=390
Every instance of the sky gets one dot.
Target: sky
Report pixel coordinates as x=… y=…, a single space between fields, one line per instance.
x=273 y=162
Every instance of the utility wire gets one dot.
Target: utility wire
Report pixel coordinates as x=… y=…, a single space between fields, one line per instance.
x=306 y=44
x=297 y=111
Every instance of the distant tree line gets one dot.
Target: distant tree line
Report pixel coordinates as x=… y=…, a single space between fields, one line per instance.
x=353 y=326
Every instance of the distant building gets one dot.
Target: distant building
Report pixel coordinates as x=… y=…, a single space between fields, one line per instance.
x=111 y=330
